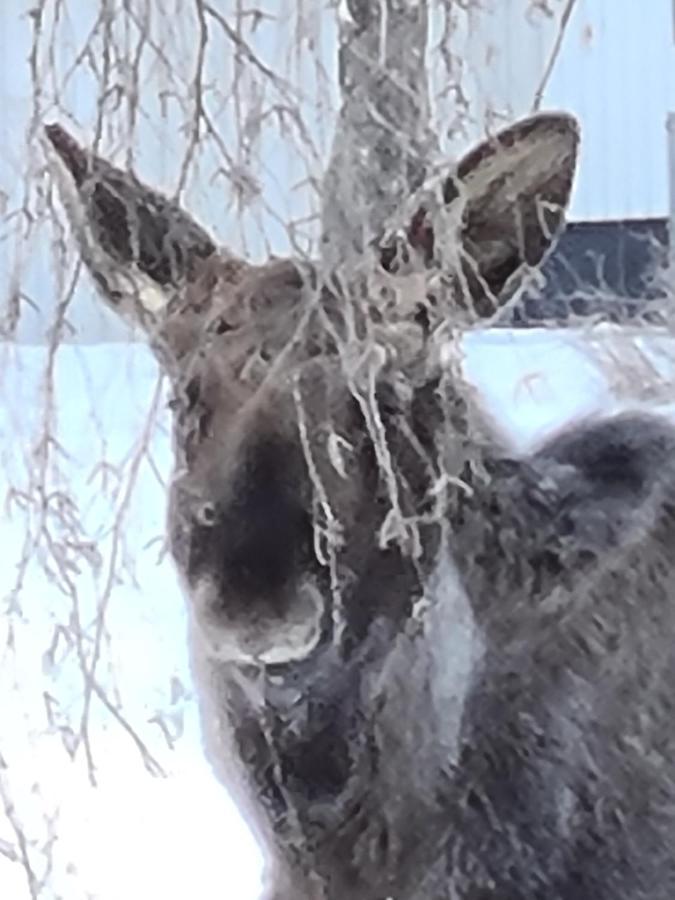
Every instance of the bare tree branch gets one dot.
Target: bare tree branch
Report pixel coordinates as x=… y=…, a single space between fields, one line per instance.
x=555 y=52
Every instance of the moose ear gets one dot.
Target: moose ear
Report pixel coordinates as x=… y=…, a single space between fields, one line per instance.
x=137 y=243
x=516 y=186
x=514 y=189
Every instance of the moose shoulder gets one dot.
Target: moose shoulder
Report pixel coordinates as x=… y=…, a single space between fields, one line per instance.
x=427 y=669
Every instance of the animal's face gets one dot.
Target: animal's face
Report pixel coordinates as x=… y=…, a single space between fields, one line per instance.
x=306 y=404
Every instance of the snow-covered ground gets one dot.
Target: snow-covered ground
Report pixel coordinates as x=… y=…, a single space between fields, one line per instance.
x=136 y=835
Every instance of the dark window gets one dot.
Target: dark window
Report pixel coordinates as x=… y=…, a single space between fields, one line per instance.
x=611 y=269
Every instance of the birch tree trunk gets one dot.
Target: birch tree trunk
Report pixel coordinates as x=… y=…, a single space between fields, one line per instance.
x=383 y=137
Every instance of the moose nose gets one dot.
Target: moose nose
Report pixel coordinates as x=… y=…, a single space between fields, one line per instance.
x=70 y=152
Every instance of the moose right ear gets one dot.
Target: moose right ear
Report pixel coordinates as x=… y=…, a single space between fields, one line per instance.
x=134 y=240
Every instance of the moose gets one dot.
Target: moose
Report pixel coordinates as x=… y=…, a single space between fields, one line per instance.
x=428 y=667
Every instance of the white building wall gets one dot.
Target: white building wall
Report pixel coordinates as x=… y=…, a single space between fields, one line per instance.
x=501 y=50
x=615 y=71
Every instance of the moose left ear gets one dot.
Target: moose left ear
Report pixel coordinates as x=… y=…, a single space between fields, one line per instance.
x=514 y=188
x=517 y=187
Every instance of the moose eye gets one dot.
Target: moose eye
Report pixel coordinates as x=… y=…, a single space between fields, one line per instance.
x=220 y=326
x=207 y=515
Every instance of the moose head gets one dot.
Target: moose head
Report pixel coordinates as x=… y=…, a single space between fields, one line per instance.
x=426 y=668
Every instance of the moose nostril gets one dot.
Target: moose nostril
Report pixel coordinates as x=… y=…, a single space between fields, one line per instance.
x=220 y=326
x=207 y=515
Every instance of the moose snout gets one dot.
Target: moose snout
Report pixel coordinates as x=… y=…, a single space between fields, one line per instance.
x=248 y=559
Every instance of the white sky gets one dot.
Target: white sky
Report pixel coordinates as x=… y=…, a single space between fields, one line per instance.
x=139 y=837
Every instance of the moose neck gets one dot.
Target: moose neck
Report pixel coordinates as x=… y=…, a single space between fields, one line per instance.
x=345 y=743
